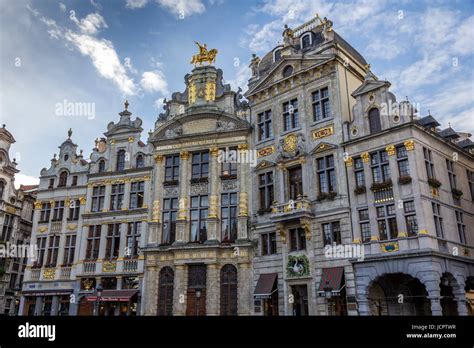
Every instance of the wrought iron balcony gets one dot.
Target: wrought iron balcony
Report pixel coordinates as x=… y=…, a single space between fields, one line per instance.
x=293 y=209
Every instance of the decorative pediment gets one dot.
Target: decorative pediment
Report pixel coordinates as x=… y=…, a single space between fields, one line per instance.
x=264 y=164
x=369 y=85
x=323 y=146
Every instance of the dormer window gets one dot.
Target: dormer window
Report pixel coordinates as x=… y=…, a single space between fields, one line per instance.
x=101 y=166
x=287 y=71
x=374 y=121
x=140 y=161
x=121 y=160
x=306 y=41
x=277 y=55
x=62 y=179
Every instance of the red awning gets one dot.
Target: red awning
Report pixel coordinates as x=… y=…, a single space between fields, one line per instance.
x=332 y=278
x=266 y=285
x=113 y=296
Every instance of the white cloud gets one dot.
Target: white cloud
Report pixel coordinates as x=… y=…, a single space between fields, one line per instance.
x=62 y=7
x=241 y=78
x=22 y=179
x=91 y=24
x=159 y=103
x=387 y=48
x=134 y=4
x=154 y=81
x=183 y=7
x=104 y=58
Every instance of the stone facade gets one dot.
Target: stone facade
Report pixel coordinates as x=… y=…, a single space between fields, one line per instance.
x=16 y=207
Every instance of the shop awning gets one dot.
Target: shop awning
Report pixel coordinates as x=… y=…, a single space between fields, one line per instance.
x=113 y=296
x=266 y=285
x=332 y=278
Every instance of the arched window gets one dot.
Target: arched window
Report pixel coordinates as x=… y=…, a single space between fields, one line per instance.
x=276 y=55
x=165 y=291
x=101 y=166
x=287 y=71
x=121 y=160
x=2 y=188
x=62 y=179
x=140 y=161
x=374 y=121
x=306 y=41
x=229 y=290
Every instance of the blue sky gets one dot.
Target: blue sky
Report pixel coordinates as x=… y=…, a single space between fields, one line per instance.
x=107 y=51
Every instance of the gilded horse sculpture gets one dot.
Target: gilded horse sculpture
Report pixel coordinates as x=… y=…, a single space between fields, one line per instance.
x=204 y=55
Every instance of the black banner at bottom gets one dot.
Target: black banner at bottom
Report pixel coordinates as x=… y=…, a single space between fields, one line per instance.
x=287 y=331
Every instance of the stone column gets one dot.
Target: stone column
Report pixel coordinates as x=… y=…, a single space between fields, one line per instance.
x=54 y=305
x=123 y=240
x=180 y=286
x=244 y=278
x=362 y=284
x=212 y=290
x=460 y=297
x=431 y=283
x=242 y=229
x=154 y=235
x=126 y=195
x=150 y=301
x=181 y=236
x=88 y=202
x=213 y=216
x=280 y=180
x=108 y=191
x=103 y=241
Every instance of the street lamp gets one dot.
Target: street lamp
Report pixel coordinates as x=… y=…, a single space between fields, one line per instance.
x=98 y=291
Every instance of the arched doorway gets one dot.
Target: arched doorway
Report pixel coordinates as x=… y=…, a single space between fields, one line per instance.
x=446 y=285
x=229 y=290
x=398 y=294
x=165 y=291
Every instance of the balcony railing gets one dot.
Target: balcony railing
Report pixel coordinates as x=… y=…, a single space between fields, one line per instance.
x=56 y=226
x=35 y=274
x=300 y=207
x=130 y=265
x=89 y=266
x=65 y=273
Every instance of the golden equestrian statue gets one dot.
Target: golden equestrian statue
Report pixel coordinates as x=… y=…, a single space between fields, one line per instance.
x=204 y=55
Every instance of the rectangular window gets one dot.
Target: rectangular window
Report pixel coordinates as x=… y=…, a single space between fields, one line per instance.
x=229 y=217
x=326 y=174
x=229 y=166
x=53 y=249
x=98 y=198
x=69 y=249
x=58 y=211
x=402 y=160
x=137 y=192
x=380 y=166
x=331 y=233
x=74 y=180
x=364 y=225
x=297 y=239
x=170 y=211
x=7 y=229
x=41 y=243
x=387 y=222
x=264 y=125
x=265 y=188
x=133 y=239
x=45 y=212
x=51 y=183
x=428 y=163
x=200 y=165
x=410 y=218
x=116 y=196
x=74 y=210
x=451 y=175
x=199 y=212
x=470 y=179
x=295 y=176
x=172 y=168
x=359 y=172
x=93 y=242
x=290 y=115
x=461 y=226
x=112 y=246
x=321 y=104
x=438 y=219
x=268 y=243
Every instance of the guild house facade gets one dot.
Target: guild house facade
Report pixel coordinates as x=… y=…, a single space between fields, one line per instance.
x=318 y=195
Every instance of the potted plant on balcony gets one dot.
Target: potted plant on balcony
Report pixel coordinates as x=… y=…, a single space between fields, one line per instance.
x=381 y=185
x=404 y=180
x=456 y=193
x=326 y=195
x=434 y=183
x=360 y=190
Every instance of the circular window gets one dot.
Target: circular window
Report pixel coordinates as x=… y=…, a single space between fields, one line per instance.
x=354 y=131
x=66 y=157
x=396 y=119
x=287 y=71
x=12 y=200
